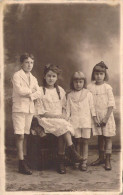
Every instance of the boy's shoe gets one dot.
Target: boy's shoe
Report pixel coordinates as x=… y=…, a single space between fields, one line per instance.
x=27 y=161
x=23 y=168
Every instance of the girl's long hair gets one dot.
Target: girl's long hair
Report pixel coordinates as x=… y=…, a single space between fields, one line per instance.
x=55 y=69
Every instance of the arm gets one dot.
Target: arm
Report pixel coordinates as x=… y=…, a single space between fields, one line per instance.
x=36 y=92
x=22 y=91
x=68 y=108
x=105 y=120
x=91 y=104
x=92 y=109
x=64 y=103
x=111 y=105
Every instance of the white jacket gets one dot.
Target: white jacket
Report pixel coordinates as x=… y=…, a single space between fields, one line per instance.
x=21 y=88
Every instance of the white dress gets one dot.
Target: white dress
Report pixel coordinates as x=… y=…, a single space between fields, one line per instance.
x=103 y=98
x=80 y=108
x=51 y=103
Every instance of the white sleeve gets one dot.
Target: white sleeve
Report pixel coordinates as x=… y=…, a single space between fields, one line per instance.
x=63 y=97
x=39 y=107
x=111 y=101
x=36 y=94
x=68 y=107
x=91 y=103
x=23 y=91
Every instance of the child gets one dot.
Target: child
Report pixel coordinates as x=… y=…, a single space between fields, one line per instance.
x=104 y=104
x=25 y=90
x=50 y=110
x=79 y=109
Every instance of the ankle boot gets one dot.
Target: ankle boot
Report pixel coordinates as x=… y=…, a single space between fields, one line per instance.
x=74 y=155
x=61 y=164
x=100 y=160
x=83 y=165
x=23 y=168
x=75 y=166
x=107 y=162
x=26 y=159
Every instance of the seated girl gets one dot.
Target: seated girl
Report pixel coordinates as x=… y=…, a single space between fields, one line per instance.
x=50 y=110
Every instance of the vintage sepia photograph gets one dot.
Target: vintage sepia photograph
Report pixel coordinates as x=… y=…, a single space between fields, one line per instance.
x=62 y=97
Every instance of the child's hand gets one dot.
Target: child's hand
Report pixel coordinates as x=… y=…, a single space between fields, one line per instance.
x=27 y=96
x=96 y=121
x=60 y=116
x=34 y=90
x=103 y=122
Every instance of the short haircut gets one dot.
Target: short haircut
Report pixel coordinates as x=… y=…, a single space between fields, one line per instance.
x=26 y=56
x=73 y=78
x=105 y=79
x=100 y=67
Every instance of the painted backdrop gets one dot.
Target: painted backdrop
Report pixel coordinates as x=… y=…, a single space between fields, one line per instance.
x=73 y=36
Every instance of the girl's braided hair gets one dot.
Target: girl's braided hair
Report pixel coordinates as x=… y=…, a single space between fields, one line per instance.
x=55 y=69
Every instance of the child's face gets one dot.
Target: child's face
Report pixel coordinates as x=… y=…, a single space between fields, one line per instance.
x=27 y=65
x=51 y=78
x=99 y=77
x=78 y=84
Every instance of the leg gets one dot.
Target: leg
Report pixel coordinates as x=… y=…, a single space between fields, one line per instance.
x=78 y=149
x=78 y=145
x=75 y=157
x=61 y=155
x=20 y=149
x=101 y=144
x=101 y=159
x=19 y=121
x=19 y=144
x=27 y=126
x=85 y=149
x=25 y=150
x=83 y=166
x=68 y=139
x=25 y=144
x=18 y=124
x=61 y=145
x=81 y=146
x=108 y=147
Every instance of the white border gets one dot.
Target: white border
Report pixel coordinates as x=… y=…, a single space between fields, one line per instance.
x=2 y=141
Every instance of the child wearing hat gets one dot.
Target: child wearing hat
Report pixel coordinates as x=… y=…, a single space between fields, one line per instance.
x=104 y=104
x=80 y=110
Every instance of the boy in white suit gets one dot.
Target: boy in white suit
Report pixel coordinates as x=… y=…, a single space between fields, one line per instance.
x=25 y=91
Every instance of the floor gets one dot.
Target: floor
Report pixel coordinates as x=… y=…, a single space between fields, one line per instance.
x=96 y=179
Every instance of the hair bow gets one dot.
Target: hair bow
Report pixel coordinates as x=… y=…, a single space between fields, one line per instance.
x=102 y=65
x=47 y=65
